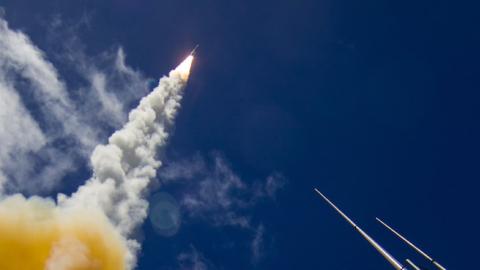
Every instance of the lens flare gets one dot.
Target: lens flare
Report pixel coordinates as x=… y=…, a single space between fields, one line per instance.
x=184 y=68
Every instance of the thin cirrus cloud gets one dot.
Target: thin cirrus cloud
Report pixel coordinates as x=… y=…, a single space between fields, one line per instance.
x=213 y=193
x=192 y=259
x=257 y=245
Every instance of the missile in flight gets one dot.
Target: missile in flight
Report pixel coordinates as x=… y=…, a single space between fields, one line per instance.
x=396 y=264
x=437 y=265
x=192 y=53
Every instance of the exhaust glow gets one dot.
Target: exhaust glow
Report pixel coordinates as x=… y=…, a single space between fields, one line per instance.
x=184 y=68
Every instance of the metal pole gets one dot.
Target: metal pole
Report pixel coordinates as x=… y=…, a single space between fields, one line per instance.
x=412 y=265
x=439 y=266
x=396 y=264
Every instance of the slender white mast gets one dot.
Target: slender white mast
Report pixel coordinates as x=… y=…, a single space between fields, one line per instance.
x=396 y=264
x=439 y=266
x=414 y=266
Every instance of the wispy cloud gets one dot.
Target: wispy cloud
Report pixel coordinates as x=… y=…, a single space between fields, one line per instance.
x=193 y=260
x=17 y=125
x=212 y=192
x=64 y=119
x=104 y=81
x=257 y=244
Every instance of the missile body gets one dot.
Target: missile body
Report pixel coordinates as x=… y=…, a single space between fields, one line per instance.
x=437 y=265
x=396 y=264
x=192 y=53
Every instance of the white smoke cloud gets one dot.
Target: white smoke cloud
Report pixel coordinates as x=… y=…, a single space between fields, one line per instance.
x=69 y=253
x=61 y=134
x=37 y=234
x=18 y=53
x=106 y=83
x=18 y=124
x=124 y=168
x=20 y=57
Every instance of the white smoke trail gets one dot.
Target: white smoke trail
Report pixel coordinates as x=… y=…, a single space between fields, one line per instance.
x=77 y=232
x=123 y=169
x=18 y=54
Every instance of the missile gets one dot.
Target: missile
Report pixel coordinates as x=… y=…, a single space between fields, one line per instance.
x=192 y=53
x=437 y=265
x=396 y=264
x=414 y=266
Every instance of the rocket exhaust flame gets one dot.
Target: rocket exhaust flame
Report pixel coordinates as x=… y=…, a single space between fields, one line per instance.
x=184 y=68
x=396 y=264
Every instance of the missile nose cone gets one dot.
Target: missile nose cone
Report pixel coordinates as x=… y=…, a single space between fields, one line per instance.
x=193 y=51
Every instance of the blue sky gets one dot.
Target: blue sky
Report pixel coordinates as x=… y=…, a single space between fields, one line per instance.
x=375 y=103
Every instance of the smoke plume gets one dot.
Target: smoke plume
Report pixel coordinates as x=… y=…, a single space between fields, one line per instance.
x=92 y=228
x=36 y=234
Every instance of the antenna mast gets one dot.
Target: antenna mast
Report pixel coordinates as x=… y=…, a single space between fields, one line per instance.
x=396 y=264
x=437 y=265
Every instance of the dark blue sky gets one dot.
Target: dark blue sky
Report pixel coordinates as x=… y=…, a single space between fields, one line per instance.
x=374 y=102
